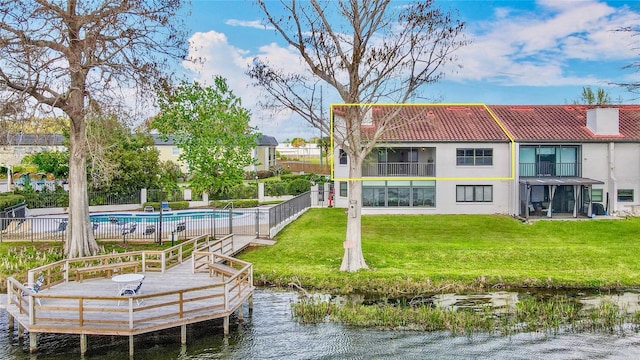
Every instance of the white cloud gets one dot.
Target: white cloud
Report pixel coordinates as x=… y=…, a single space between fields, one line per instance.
x=216 y=56
x=256 y=24
x=535 y=48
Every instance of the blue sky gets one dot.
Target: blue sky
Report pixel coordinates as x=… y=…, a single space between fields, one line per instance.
x=522 y=52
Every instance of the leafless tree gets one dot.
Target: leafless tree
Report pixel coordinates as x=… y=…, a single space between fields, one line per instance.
x=66 y=54
x=367 y=51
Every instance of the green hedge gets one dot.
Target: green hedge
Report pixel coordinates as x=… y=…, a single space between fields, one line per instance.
x=243 y=203
x=174 y=205
x=10 y=200
x=298 y=186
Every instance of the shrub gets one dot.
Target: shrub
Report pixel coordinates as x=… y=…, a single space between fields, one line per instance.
x=298 y=186
x=10 y=200
x=174 y=205
x=263 y=174
x=239 y=191
x=275 y=188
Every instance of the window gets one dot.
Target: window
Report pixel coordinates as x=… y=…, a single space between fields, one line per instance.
x=625 y=194
x=175 y=151
x=343 y=157
x=474 y=156
x=474 y=193
x=596 y=195
x=343 y=189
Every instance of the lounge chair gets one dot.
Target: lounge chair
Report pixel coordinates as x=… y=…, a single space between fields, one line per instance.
x=149 y=230
x=33 y=289
x=62 y=226
x=129 y=230
x=180 y=227
x=131 y=290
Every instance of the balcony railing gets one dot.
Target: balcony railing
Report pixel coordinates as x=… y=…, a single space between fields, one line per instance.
x=415 y=169
x=551 y=169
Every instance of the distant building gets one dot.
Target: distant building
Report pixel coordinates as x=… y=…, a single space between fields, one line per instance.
x=13 y=148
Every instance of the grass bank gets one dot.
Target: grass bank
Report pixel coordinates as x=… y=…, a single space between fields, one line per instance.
x=447 y=253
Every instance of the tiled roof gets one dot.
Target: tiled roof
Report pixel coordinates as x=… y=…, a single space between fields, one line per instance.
x=532 y=123
x=440 y=123
x=22 y=139
x=562 y=122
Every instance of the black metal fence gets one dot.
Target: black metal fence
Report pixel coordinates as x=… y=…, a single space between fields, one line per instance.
x=149 y=228
x=282 y=214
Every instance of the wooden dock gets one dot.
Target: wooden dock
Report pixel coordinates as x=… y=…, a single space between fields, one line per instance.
x=194 y=281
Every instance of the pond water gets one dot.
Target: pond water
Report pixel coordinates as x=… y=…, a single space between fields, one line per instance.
x=271 y=333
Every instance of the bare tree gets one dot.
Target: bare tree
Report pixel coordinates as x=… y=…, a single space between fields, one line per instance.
x=66 y=54
x=367 y=51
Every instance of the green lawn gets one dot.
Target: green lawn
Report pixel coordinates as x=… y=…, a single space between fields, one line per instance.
x=416 y=254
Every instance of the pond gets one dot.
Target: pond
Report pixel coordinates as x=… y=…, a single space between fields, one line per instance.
x=270 y=332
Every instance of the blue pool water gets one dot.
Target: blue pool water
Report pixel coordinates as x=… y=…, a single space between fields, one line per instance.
x=166 y=216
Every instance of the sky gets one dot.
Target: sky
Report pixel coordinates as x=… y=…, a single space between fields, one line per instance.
x=521 y=52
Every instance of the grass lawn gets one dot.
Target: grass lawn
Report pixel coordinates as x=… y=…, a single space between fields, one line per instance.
x=430 y=253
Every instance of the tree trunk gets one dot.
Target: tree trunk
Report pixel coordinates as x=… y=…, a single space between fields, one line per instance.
x=353 y=260
x=80 y=240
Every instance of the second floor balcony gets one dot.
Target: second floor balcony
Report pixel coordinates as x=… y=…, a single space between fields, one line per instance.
x=545 y=168
x=400 y=169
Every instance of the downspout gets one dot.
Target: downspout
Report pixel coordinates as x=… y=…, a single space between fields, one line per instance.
x=612 y=186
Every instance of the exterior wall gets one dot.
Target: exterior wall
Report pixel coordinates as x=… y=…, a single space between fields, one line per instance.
x=626 y=175
x=452 y=175
x=618 y=166
x=13 y=155
x=167 y=153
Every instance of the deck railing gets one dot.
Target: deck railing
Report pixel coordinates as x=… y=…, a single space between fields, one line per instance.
x=414 y=169
x=178 y=307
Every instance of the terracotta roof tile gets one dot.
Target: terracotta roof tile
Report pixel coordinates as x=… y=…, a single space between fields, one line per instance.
x=562 y=122
x=442 y=123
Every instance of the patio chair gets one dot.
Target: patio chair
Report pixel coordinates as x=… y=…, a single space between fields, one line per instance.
x=34 y=288
x=129 y=230
x=62 y=226
x=149 y=230
x=180 y=227
x=131 y=290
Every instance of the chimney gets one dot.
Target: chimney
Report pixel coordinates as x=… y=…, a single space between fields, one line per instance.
x=604 y=121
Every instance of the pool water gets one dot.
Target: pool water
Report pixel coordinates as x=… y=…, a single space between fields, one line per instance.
x=155 y=216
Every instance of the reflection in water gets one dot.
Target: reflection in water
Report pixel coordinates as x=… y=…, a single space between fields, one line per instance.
x=271 y=333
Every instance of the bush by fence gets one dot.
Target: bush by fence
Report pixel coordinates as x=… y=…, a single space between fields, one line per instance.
x=174 y=205
x=8 y=200
x=242 y=203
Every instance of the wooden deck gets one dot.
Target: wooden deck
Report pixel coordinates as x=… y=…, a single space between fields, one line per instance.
x=178 y=289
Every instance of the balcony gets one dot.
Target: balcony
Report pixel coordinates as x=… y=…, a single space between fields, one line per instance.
x=400 y=169
x=543 y=168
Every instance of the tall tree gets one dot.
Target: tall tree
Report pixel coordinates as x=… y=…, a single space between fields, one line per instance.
x=588 y=97
x=210 y=126
x=63 y=53
x=366 y=51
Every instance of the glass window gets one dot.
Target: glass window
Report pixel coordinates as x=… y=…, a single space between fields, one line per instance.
x=474 y=156
x=625 y=195
x=343 y=189
x=596 y=195
x=175 y=151
x=474 y=193
x=343 y=157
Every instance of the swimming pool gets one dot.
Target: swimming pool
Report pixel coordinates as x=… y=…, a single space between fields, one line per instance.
x=147 y=217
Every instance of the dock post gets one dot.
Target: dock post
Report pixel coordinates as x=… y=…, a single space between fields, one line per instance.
x=251 y=304
x=11 y=323
x=131 y=346
x=20 y=331
x=225 y=325
x=183 y=334
x=83 y=344
x=33 y=342
x=240 y=314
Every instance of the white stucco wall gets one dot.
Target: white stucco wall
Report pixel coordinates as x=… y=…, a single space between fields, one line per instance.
x=452 y=176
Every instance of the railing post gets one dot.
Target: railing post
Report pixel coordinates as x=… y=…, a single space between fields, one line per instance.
x=230 y=221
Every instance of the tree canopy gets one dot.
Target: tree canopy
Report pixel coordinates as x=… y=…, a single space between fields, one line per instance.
x=210 y=126
x=367 y=52
x=62 y=56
